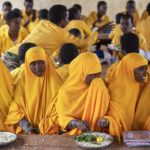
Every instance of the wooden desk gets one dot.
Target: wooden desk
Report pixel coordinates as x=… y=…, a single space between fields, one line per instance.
x=55 y=142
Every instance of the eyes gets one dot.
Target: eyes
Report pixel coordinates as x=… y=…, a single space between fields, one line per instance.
x=39 y=62
x=95 y=75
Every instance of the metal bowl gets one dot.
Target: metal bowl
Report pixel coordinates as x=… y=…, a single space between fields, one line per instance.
x=9 y=140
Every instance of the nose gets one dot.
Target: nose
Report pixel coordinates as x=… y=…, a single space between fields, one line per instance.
x=37 y=67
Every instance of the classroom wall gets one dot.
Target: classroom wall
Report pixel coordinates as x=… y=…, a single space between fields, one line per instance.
x=114 y=6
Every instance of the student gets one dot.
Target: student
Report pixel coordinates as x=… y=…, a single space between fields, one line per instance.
x=131 y=10
x=129 y=43
x=83 y=98
x=5 y=28
x=66 y=54
x=126 y=26
x=55 y=55
x=145 y=13
x=7 y=6
x=43 y=15
x=117 y=29
x=14 y=35
x=6 y=94
x=124 y=89
x=79 y=8
x=29 y=14
x=76 y=22
x=33 y=108
x=50 y=35
x=19 y=71
x=142 y=115
x=77 y=33
x=99 y=18
x=143 y=27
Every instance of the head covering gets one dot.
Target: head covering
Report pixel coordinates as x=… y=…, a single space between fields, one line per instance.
x=38 y=95
x=124 y=91
x=77 y=100
x=143 y=110
x=6 y=93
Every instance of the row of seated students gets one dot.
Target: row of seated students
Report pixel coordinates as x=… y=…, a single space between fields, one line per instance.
x=39 y=98
x=36 y=99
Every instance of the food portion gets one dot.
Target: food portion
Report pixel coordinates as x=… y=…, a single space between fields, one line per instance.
x=93 y=140
x=114 y=47
x=6 y=137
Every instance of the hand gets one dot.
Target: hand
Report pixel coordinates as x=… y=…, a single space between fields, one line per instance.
x=109 y=26
x=24 y=123
x=31 y=132
x=36 y=130
x=103 y=123
x=82 y=125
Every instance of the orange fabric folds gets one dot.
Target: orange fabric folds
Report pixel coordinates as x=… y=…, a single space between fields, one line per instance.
x=77 y=100
x=6 y=93
x=124 y=91
x=142 y=116
x=35 y=97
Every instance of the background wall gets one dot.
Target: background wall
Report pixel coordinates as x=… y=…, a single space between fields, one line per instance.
x=114 y=6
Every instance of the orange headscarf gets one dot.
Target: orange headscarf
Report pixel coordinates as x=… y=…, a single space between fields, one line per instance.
x=124 y=91
x=76 y=100
x=141 y=121
x=35 y=96
x=6 y=93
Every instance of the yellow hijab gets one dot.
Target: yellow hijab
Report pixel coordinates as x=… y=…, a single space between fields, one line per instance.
x=6 y=93
x=38 y=95
x=124 y=91
x=143 y=108
x=76 y=100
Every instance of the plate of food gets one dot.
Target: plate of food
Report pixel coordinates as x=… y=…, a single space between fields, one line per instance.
x=93 y=140
x=114 y=47
x=7 y=138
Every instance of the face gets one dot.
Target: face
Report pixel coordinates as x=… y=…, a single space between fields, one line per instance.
x=102 y=10
x=65 y=21
x=90 y=77
x=6 y=9
x=126 y=25
x=140 y=73
x=78 y=15
x=14 y=24
x=28 y=7
x=130 y=8
x=38 y=67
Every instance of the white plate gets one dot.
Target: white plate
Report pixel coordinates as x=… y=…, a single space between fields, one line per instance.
x=114 y=47
x=7 y=138
x=108 y=139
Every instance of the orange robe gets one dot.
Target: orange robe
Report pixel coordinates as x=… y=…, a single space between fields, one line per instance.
x=142 y=116
x=124 y=92
x=51 y=37
x=35 y=97
x=77 y=100
x=6 y=94
x=144 y=15
x=93 y=17
x=143 y=28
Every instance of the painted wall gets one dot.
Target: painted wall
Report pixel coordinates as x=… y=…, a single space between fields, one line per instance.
x=114 y=6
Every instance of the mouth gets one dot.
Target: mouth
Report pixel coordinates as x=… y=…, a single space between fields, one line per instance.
x=39 y=73
x=143 y=78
